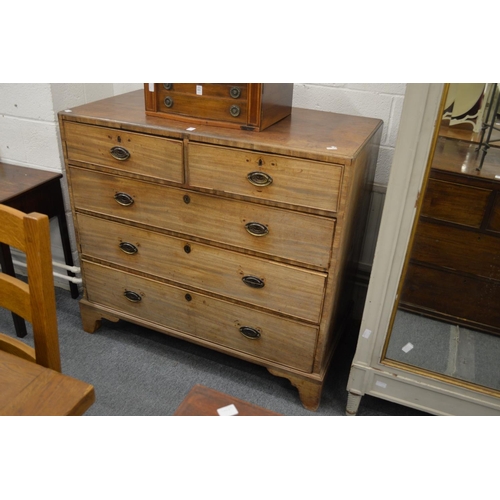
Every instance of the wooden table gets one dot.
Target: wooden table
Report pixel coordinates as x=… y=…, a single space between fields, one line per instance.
x=203 y=401
x=28 y=389
x=32 y=190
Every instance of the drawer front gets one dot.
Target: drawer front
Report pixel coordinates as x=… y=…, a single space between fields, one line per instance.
x=450 y=294
x=280 y=340
x=271 y=285
x=455 y=203
x=210 y=108
x=269 y=177
x=298 y=237
x=457 y=249
x=140 y=154
x=222 y=90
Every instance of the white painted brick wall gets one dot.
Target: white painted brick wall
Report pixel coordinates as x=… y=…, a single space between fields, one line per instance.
x=375 y=100
x=29 y=132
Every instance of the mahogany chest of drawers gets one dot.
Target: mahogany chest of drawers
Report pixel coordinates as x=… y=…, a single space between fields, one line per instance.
x=249 y=106
x=235 y=240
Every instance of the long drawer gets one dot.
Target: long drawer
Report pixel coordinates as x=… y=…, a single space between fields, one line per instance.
x=242 y=277
x=131 y=152
x=272 y=231
x=457 y=249
x=265 y=176
x=256 y=333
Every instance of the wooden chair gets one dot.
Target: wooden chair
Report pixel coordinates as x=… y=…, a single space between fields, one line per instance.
x=35 y=301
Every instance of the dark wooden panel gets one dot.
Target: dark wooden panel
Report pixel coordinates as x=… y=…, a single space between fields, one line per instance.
x=457 y=298
x=494 y=219
x=454 y=248
x=455 y=203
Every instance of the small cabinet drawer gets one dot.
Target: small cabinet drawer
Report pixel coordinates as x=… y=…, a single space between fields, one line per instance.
x=138 y=154
x=271 y=231
x=220 y=90
x=456 y=203
x=202 y=106
x=268 y=177
x=252 y=332
x=249 y=279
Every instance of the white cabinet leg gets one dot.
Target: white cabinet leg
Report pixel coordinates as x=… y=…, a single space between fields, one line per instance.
x=353 y=401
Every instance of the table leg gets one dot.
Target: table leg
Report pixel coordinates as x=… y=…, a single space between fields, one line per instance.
x=8 y=268
x=63 y=229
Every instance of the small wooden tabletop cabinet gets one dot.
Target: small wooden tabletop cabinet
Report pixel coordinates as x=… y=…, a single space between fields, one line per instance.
x=238 y=241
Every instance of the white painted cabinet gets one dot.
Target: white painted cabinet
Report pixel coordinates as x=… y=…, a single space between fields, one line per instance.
x=415 y=359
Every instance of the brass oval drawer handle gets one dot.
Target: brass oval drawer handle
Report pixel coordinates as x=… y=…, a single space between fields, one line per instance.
x=256 y=229
x=234 y=110
x=169 y=102
x=124 y=199
x=259 y=179
x=249 y=332
x=119 y=153
x=132 y=296
x=235 y=92
x=253 y=281
x=128 y=248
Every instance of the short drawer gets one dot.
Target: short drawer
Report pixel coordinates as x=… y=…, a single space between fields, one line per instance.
x=231 y=326
x=456 y=203
x=268 y=177
x=130 y=152
x=282 y=288
x=271 y=231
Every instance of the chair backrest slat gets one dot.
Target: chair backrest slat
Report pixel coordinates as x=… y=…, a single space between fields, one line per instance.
x=15 y=296
x=31 y=234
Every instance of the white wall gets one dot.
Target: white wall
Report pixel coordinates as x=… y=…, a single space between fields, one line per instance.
x=29 y=132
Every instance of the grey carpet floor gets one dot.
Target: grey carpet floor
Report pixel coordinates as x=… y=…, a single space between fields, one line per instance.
x=140 y=372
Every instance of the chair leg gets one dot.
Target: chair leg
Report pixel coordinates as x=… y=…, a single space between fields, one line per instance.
x=8 y=268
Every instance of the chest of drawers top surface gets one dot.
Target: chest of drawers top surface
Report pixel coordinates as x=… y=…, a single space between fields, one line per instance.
x=316 y=135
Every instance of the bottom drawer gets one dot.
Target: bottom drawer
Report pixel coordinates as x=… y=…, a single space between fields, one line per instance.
x=279 y=340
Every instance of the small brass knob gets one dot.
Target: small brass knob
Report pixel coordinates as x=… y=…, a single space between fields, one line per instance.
x=167 y=86
x=234 y=110
x=169 y=102
x=235 y=92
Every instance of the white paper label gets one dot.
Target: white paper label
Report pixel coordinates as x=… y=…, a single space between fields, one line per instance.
x=381 y=384
x=408 y=347
x=151 y=87
x=227 y=411
x=199 y=89
x=366 y=334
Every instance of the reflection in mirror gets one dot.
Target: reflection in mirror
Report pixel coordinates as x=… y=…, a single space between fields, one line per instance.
x=448 y=315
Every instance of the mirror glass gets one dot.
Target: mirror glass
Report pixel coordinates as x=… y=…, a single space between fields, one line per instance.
x=447 y=319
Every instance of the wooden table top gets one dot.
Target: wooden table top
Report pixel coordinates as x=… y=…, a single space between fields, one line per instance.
x=28 y=389
x=203 y=401
x=16 y=180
